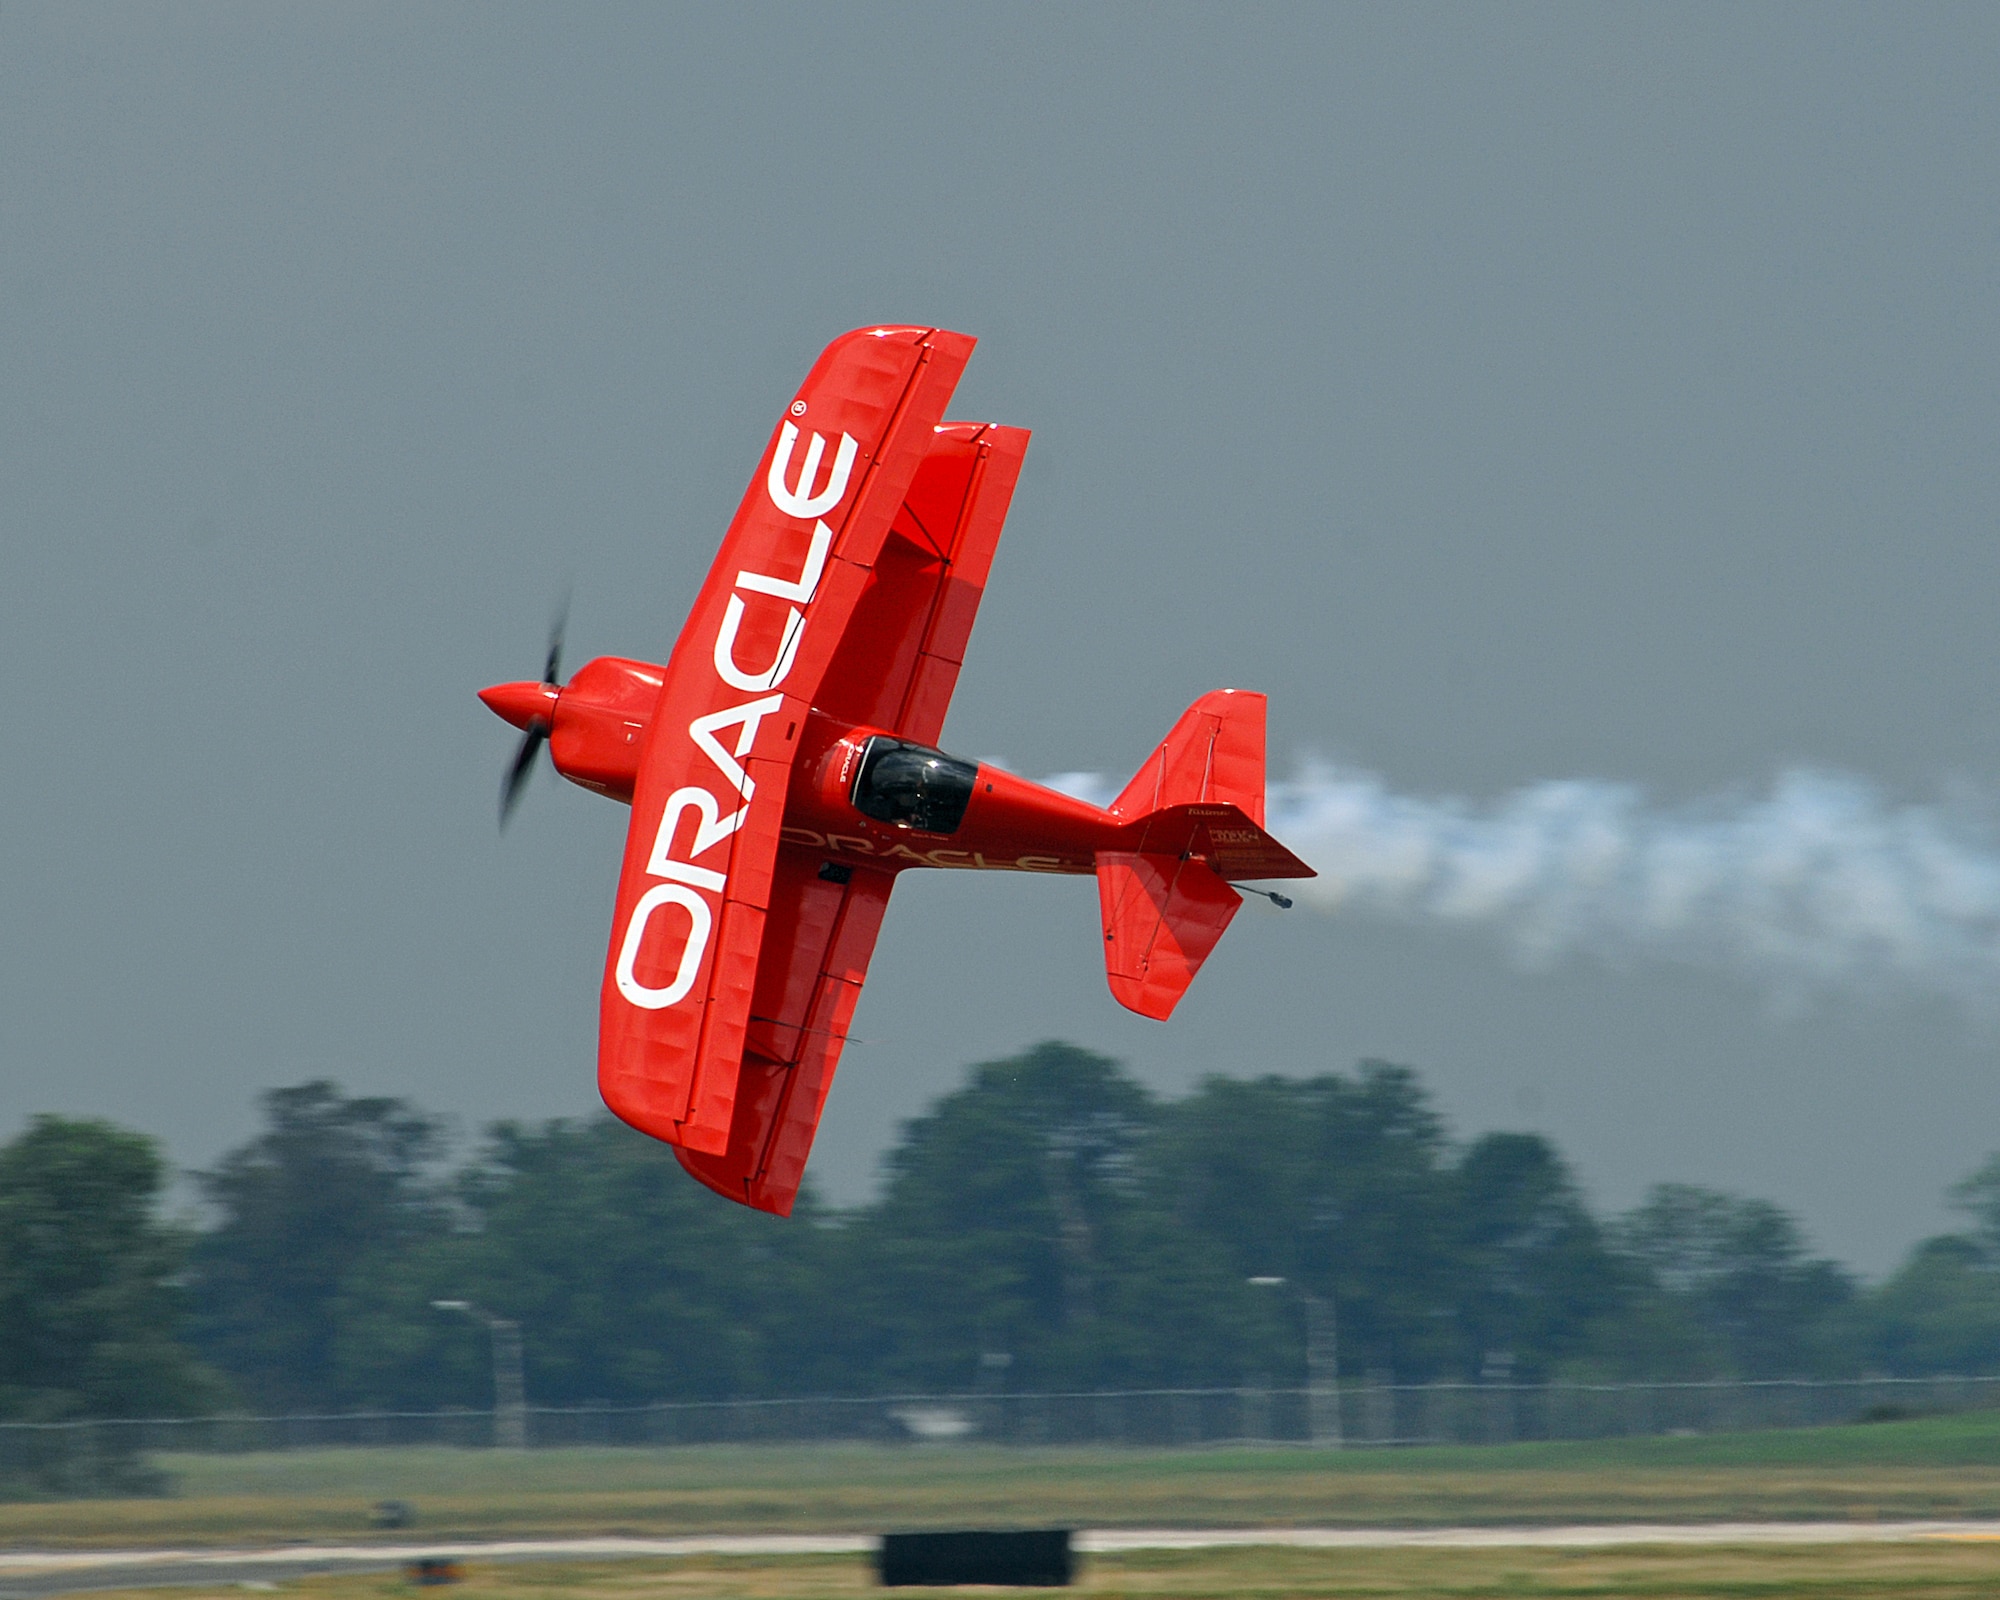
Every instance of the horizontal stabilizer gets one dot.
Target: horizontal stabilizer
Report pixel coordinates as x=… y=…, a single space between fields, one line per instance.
x=1222 y=836
x=1162 y=915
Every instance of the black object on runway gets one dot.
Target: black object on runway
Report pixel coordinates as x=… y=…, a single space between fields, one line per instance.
x=1037 y=1559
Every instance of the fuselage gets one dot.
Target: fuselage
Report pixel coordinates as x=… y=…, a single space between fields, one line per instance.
x=859 y=794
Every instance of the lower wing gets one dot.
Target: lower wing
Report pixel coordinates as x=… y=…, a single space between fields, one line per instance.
x=818 y=935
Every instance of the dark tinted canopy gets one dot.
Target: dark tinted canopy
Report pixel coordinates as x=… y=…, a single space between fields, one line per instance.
x=913 y=785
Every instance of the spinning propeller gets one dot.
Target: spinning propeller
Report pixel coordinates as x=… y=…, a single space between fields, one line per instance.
x=531 y=708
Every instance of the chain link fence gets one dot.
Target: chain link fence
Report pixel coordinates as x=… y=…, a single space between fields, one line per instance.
x=1363 y=1414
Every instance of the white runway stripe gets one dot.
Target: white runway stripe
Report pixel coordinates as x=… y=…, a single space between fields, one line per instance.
x=1091 y=1541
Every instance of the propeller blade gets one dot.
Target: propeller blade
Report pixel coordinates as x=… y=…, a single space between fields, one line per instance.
x=552 y=668
x=537 y=734
x=516 y=781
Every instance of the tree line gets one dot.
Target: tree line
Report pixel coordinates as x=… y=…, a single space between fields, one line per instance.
x=1052 y=1212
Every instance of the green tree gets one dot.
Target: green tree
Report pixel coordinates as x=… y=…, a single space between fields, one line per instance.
x=1740 y=1269
x=88 y=1303
x=1051 y=1210
x=1010 y=1225
x=1338 y=1185
x=1939 y=1312
x=315 y=1216
x=1532 y=1268
x=631 y=1282
x=1978 y=1195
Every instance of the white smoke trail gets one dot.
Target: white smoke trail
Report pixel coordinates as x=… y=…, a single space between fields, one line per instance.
x=1818 y=883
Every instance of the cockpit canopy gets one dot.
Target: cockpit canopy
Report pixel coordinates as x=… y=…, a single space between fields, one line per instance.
x=913 y=786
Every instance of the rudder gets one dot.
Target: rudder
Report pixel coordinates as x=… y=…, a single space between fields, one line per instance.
x=1214 y=753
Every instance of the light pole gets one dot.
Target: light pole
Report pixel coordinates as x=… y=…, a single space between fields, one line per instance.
x=510 y=1389
x=1322 y=1365
x=1322 y=1371
x=993 y=1365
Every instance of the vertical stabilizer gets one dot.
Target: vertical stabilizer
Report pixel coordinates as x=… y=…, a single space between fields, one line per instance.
x=1163 y=904
x=1214 y=754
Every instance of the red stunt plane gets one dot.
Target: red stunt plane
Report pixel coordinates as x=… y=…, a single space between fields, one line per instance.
x=781 y=772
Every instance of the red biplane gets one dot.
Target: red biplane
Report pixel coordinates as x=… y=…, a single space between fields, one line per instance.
x=781 y=772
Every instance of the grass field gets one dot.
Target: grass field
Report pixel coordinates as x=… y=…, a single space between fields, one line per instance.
x=1915 y=1571
x=1935 y=1467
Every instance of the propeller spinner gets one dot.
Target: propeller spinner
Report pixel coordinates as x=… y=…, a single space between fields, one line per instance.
x=531 y=707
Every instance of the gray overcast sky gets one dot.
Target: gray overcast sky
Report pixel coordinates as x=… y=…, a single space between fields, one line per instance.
x=1512 y=393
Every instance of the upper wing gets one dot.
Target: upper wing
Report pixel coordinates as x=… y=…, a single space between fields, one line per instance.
x=898 y=662
x=699 y=872
x=894 y=668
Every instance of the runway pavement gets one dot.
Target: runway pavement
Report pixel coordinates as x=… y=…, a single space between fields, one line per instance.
x=31 y=1574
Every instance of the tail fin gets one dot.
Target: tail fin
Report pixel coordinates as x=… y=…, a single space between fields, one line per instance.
x=1214 y=754
x=1194 y=817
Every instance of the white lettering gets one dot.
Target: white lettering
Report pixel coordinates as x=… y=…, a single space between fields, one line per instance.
x=802 y=502
x=703 y=730
x=699 y=923
x=799 y=593
x=681 y=872
x=709 y=831
x=725 y=650
x=711 y=828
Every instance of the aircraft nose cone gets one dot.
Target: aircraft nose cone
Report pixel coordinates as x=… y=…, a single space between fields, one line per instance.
x=522 y=704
